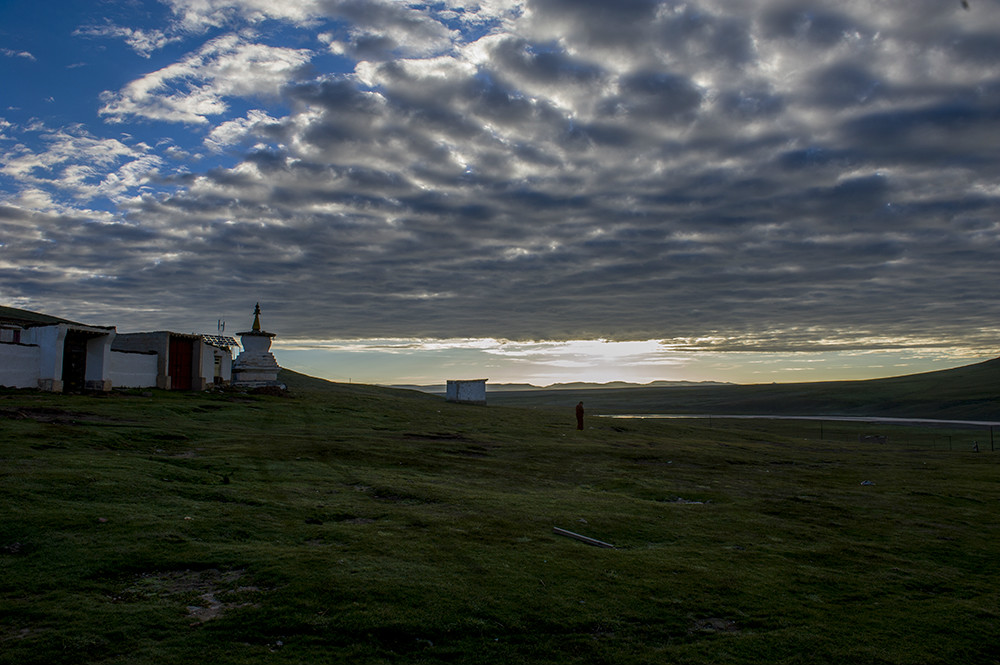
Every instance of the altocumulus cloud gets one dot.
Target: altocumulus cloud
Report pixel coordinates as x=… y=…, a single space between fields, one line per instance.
x=721 y=175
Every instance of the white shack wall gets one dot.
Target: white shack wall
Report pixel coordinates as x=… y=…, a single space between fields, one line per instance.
x=19 y=365
x=473 y=391
x=208 y=363
x=99 y=362
x=225 y=359
x=133 y=370
x=50 y=341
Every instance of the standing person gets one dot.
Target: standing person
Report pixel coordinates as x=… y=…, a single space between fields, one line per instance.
x=579 y=415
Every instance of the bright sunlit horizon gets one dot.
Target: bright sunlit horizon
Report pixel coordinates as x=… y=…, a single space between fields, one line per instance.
x=543 y=363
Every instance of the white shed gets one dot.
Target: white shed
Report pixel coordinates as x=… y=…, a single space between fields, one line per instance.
x=51 y=353
x=468 y=391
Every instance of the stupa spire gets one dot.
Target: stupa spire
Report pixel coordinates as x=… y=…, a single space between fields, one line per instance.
x=256 y=318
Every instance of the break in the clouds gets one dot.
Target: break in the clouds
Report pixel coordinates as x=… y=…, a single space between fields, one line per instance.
x=718 y=175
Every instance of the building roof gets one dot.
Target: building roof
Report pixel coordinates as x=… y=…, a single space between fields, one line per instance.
x=221 y=341
x=28 y=319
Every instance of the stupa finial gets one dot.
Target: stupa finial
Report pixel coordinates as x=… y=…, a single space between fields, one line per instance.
x=256 y=318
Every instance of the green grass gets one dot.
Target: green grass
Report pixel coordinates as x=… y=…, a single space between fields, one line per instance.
x=365 y=525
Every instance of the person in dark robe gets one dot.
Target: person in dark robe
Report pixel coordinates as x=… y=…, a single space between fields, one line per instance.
x=579 y=415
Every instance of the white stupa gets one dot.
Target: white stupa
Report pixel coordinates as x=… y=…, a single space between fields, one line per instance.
x=255 y=367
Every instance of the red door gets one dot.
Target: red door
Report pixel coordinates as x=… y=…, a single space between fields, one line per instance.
x=181 y=358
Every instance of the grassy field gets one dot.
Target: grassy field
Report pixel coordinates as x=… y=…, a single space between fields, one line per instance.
x=964 y=393
x=364 y=525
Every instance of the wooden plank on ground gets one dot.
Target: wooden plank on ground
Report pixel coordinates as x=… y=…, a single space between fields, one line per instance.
x=583 y=539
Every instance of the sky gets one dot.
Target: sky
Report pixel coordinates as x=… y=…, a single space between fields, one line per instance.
x=520 y=190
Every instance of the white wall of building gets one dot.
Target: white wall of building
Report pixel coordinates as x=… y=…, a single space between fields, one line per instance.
x=222 y=365
x=467 y=392
x=99 y=362
x=133 y=370
x=51 y=341
x=37 y=362
x=19 y=365
x=207 y=363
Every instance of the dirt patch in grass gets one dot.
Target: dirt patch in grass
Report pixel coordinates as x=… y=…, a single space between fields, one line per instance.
x=358 y=520
x=340 y=518
x=15 y=548
x=473 y=448
x=8 y=634
x=45 y=414
x=469 y=451
x=208 y=408
x=271 y=391
x=167 y=436
x=391 y=495
x=714 y=625
x=398 y=496
x=187 y=454
x=206 y=594
x=57 y=416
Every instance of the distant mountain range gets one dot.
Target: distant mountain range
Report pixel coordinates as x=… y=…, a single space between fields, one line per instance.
x=578 y=385
x=971 y=392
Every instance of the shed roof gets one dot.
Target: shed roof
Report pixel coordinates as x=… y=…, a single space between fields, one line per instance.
x=221 y=341
x=28 y=319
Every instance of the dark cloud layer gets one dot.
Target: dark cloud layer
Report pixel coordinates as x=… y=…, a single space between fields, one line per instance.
x=767 y=173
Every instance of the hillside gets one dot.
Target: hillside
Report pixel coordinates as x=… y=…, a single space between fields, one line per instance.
x=964 y=393
x=353 y=524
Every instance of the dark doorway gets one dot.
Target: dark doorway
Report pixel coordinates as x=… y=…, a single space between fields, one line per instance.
x=74 y=369
x=181 y=357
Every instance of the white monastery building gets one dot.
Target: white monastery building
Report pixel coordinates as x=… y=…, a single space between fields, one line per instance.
x=54 y=354
x=182 y=361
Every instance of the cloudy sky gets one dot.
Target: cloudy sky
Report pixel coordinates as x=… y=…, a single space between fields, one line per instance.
x=536 y=190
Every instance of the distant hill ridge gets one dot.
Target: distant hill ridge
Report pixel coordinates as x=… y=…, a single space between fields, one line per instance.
x=578 y=385
x=971 y=392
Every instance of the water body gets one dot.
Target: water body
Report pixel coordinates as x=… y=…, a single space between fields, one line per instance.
x=858 y=419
